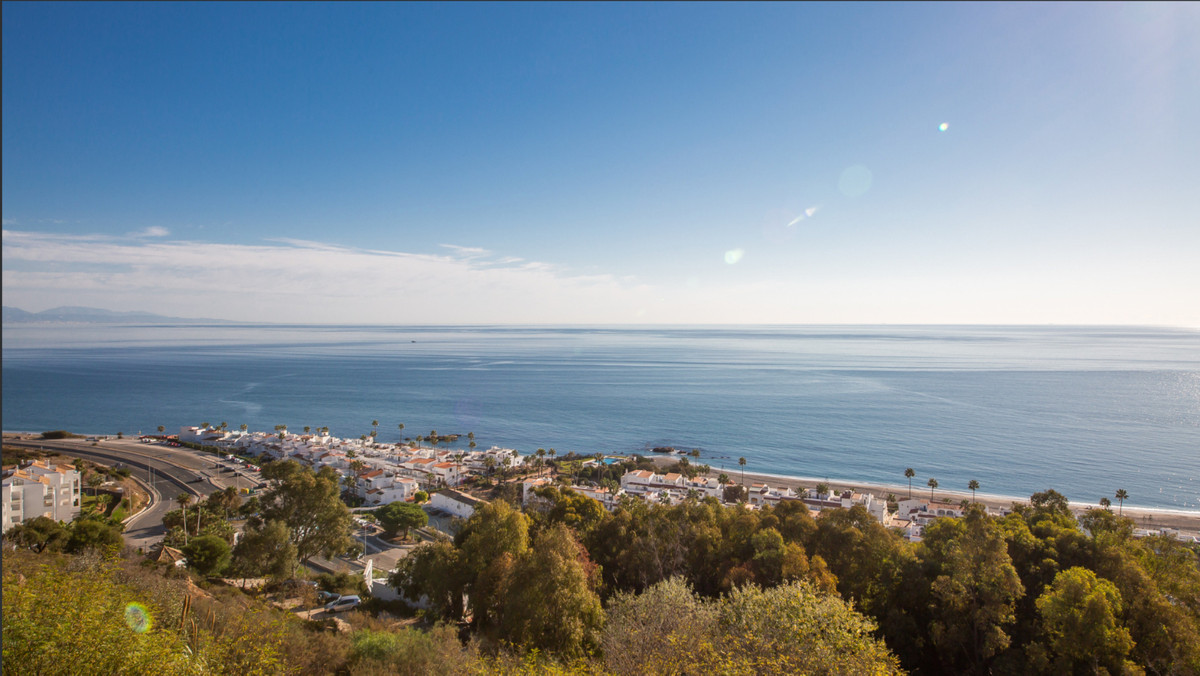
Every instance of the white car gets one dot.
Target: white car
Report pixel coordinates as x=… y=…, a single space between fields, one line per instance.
x=344 y=603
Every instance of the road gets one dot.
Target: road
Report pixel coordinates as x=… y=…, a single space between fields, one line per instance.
x=166 y=474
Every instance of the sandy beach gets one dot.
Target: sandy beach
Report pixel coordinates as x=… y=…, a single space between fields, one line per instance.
x=1187 y=523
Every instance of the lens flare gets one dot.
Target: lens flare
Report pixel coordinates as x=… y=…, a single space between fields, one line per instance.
x=855 y=181
x=734 y=255
x=943 y=126
x=138 y=617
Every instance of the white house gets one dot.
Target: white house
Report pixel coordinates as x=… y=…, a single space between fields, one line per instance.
x=456 y=503
x=41 y=489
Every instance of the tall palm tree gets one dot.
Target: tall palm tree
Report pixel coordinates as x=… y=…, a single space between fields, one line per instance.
x=307 y=428
x=974 y=486
x=184 y=499
x=1121 y=495
x=161 y=429
x=541 y=453
x=742 y=462
x=243 y=427
x=910 y=473
x=932 y=483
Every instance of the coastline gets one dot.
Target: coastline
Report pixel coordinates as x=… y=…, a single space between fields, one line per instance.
x=1185 y=521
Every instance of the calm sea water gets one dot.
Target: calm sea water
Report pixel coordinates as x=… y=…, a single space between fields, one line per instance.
x=1083 y=410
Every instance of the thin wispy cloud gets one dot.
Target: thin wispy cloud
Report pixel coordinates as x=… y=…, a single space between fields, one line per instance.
x=152 y=231
x=298 y=280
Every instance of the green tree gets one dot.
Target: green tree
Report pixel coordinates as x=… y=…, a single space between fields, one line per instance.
x=437 y=572
x=184 y=499
x=309 y=504
x=794 y=629
x=38 y=534
x=265 y=551
x=551 y=601
x=976 y=591
x=1105 y=503
x=910 y=473
x=161 y=429
x=92 y=533
x=973 y=485
x=742 y=464
x=659 y=631
x=208 y=554
x=1122 y=496
x=932 y=483
x=400 y=516
x=420 y=497
x=1080 y=619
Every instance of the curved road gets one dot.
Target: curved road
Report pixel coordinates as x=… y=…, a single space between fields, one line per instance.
x=167 y=473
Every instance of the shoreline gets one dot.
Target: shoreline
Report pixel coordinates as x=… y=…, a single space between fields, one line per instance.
x=1185 y=521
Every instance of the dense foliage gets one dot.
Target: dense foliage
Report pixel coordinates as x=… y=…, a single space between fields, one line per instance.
x=1036 y=591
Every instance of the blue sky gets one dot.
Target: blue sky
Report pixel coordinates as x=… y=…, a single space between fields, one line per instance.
x=605 y=163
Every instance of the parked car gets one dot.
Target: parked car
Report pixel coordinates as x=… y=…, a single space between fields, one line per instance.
x=326 y=597
x=344 y=603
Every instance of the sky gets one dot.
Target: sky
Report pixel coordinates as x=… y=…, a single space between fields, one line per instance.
x=547 y=163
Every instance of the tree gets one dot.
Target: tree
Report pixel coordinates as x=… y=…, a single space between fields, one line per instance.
x=420 y=497
x=243 y=427
x=795 y=629
x=976 y=591
x=1122 y=496
x=722 y=479
x=974 y=486
x=1080 y=622
x=266 y=550
x=161 y=429
x=38 y=534
x=823 y=489
x=932 y=483
x=437 y=572
x=208 y=554
x=1105 y=503
x=307 y=428
x=551 y=601
x=658 y=631
x=742 y=463
x=93 y=481
x=309 y=504
x=910 y=473
x=397 y=516
x=91 y=533
x=184 y=499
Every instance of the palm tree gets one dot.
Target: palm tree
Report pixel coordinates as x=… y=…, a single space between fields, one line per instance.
x=224 y=425
x=541 y=453
x=910 y=473
x=932 y=483
x=401 y=428
x=161 y=429
x=204 y=425
x=243 y=427
x=1105 y=503
x=184 y=499
x=307 y=429
x=1121 y=495
x=375 y=425
x=742 y=462
x=722 y=479
x=974 y=486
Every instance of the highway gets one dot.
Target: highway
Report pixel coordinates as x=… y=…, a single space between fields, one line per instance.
x=168 y=474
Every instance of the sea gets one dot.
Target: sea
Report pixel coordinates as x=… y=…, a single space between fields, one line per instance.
x=1082 y=410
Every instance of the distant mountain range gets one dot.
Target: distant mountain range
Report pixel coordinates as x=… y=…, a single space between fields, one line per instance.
x=91 y=315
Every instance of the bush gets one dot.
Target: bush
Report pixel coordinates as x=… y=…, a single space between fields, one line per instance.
x=59 y=434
